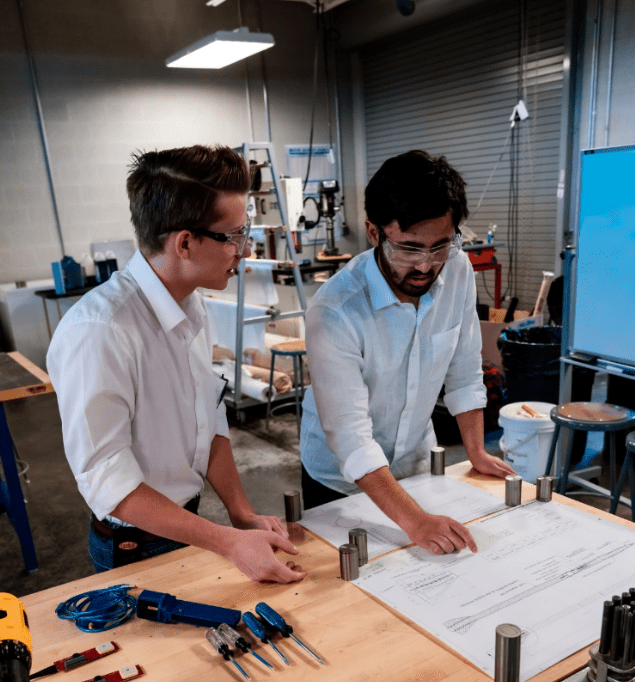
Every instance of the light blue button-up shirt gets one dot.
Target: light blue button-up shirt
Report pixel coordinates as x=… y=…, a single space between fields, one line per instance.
x=377 y=368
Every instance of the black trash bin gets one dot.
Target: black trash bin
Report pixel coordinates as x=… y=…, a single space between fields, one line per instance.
x=531 y=361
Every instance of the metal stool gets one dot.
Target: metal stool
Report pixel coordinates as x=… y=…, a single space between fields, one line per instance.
x=295 y=350
x=588 y=417
x=627 y=467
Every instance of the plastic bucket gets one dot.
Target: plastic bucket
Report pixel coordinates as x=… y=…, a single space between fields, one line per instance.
x=526 y=440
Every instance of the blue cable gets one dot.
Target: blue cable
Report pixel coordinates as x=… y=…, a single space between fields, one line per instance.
x=99 y=610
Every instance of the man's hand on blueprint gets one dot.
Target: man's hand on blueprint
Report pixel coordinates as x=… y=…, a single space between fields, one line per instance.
x=439 y=534
x=490 y=466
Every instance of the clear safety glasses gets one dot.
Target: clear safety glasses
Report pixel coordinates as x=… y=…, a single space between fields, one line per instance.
x=233 y=242
x=399 y=254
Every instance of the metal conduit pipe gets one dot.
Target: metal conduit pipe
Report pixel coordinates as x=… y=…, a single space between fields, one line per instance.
x=595 y=58
x=609 y=80
x=33 y=81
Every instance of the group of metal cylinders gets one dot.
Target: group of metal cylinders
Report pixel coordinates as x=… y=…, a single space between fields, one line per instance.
x=614 y=656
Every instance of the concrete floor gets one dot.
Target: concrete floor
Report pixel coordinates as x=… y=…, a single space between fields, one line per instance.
x=268 y=462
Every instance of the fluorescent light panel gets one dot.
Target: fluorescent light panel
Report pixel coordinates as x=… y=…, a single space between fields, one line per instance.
x=220 y=49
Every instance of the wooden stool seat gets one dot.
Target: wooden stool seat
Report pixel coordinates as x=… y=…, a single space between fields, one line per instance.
x=587 y=416
x=592 y=412
x=296 y=348
x=290 y=347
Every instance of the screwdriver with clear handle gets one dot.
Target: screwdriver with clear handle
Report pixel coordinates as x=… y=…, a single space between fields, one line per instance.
x=258 y=629
x=214 y=638
x=279 y=623
x=234 y=639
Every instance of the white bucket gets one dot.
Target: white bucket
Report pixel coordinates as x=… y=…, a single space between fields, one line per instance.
x=526 y=440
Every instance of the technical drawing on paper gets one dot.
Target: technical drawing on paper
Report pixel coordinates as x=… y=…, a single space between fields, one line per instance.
x=436 y=495
x=545 y=567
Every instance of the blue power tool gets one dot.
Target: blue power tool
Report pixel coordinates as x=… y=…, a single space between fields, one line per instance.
x=164 y=608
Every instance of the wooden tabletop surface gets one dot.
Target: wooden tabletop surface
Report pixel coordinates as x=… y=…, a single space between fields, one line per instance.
x=359 y=637
x=20 y=378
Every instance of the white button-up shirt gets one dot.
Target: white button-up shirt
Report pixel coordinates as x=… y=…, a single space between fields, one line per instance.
x=377 y=369
x=138 y=398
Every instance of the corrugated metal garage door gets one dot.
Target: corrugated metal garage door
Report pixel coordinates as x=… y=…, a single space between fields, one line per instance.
x=449 y=88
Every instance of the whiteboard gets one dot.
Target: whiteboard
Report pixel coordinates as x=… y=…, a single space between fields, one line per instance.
x=604 y=307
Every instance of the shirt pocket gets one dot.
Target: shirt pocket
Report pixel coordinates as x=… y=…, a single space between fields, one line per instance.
x=443 y=347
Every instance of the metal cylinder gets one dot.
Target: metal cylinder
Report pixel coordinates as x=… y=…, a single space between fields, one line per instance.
x=544 y=488
x=438 y=461
x=507 y=653
x=292 y=508
x=513 y=486
x=349 y=563
x=359 y=538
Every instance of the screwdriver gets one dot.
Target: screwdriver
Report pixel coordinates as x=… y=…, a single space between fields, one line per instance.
x=278 y=622
x=259 y=631
x=221 y=646
x=234 y=639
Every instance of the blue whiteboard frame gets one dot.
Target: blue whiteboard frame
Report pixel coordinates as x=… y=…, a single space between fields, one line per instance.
x=604 y=291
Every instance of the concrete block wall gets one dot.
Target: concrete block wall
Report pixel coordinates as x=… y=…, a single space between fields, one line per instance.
x=106 y=92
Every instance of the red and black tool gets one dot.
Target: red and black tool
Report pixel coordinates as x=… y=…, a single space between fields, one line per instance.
x=72 y=662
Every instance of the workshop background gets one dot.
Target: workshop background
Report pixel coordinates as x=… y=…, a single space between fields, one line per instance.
x=444 y=78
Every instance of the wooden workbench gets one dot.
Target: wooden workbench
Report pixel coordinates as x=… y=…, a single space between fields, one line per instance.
x=359 y=637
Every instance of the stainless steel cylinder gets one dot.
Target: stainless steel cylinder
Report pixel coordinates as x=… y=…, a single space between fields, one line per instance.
x=544 y=488
x=507 y=653
x=359 y=538
x=349 y=563
x=438 y=461
x=513 y=486
x=292 y=508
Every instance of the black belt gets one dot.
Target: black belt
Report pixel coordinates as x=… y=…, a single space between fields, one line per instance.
x=128 y=541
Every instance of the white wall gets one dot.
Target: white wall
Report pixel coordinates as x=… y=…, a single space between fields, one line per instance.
x=106 y=92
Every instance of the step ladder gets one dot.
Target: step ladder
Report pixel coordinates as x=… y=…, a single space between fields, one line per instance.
x=236 y=400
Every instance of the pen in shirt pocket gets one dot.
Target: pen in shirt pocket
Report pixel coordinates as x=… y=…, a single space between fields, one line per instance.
x=223 y=390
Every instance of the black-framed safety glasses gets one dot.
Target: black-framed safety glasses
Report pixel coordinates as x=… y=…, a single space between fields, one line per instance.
x=233 y=242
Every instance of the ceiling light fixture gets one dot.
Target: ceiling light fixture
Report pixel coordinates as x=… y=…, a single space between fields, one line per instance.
x=220 y=49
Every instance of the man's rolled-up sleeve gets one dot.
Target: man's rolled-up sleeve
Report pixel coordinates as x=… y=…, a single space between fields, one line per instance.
x=464 y=388
x=92 y=370
x=335 y=360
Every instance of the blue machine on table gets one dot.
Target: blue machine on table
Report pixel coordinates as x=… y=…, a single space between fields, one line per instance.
x=67 y=274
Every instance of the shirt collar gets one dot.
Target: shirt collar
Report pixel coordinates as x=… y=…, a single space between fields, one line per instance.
x=168 y=312
x=381 y=295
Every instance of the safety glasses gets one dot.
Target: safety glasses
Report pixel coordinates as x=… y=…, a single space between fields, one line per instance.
x=400 y=254
x=233 y=242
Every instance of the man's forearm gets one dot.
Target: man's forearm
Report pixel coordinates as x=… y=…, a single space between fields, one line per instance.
x=153 y=512
x=222 y=475
x=437 y=534
x=472 y=432
x=384 y=490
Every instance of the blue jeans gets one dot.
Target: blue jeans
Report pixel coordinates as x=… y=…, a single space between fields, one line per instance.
x=101 y=553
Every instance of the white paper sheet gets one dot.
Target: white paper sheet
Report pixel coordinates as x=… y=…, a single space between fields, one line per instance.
x=544 y=567
x=435 y=494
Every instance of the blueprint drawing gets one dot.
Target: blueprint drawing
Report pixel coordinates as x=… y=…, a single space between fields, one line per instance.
x=544 y=567
x=435 y=494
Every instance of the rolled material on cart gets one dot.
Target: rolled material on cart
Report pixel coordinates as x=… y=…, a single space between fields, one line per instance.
x=282 y=382
x=258 y=358
x=223 y=316
x=252 y=388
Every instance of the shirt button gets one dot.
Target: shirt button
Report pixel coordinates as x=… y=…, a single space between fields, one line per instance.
x=202 y=426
